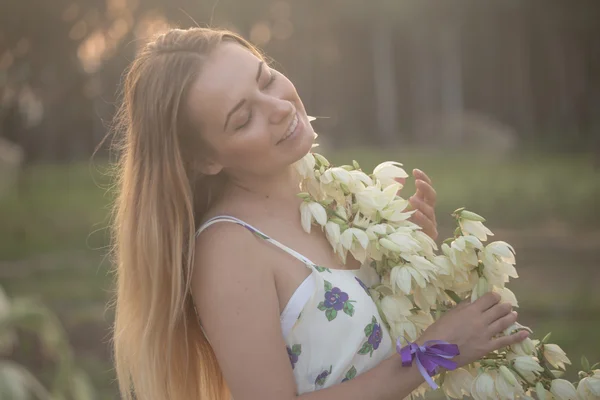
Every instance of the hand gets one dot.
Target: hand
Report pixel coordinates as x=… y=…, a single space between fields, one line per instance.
x=472 y=326
x=423 y=201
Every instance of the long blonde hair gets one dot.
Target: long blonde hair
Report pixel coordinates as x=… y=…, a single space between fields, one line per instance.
x=159 y=349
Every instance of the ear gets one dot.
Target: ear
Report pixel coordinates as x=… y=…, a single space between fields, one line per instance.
x=210 y=167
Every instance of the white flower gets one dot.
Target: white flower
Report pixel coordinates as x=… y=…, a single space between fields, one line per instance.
x=421 y=320
x=355 y=240
x=507 y=385
x=387 y=173
x=332 y=231
x=507 y=296
x=474 y=228
x=338 y=174
x=556 y=356
x=403 y=328
x=483 y=387
x=395 y=211
x=462 y=251
x=528 y=367
x=498 y=272
x=359 y=181
x=403 y=242
x=401 y=277
x=378 y=230
x=428 y=245
x=524 y=348
x=500 y=250
x=349 y=235
x=563 y=390
x=396 y=307
x=425 y=297
x=457 y=383
x=373 y=199
x=305 y=166
x=310 y=211
x=589 y=387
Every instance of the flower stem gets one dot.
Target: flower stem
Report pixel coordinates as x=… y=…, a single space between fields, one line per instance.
x=453 y=296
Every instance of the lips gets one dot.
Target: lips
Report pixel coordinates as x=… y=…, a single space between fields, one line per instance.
x=291 y=129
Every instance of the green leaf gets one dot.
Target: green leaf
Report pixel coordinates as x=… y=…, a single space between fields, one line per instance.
x=366 y=348
x=585 y=364
x=322 y=269
x=593 y=367
x=331 y=314
x=351 y=373
x=374 y=320
x=369 y=329
x=355 y=164
x=321 y=306
x=349 y=308
x=328 y=286
x=297 y=349
x=546 y=338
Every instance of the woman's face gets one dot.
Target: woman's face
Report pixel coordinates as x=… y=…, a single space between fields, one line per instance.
x=250 y=115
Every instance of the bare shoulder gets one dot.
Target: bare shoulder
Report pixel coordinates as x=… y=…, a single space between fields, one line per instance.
x=236 y=298
x=226 y=247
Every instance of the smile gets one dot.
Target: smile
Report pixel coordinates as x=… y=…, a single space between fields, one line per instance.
x=291 y=129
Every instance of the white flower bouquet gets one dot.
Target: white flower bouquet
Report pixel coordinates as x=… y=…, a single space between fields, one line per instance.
x=363 y=214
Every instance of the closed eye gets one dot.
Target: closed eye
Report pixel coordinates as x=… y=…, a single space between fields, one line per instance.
x=269 y=83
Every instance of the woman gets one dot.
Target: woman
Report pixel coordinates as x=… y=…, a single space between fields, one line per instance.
x=210 y=136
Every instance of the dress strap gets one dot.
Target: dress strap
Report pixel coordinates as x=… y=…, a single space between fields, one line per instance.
x=227 y=218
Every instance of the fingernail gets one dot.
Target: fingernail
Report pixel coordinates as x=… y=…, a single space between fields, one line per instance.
x=515 y=313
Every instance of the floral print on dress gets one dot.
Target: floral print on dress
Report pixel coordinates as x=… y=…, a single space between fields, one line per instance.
x=335 y=300
x=322 y=269
x=374 y=335
x=362 y=284
x=294 y=352
x=350 y=374
x=322 y=377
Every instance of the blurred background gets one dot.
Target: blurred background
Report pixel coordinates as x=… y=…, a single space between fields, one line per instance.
x=498 y=101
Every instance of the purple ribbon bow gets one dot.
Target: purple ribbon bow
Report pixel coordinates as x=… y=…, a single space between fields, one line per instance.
x=432 y=355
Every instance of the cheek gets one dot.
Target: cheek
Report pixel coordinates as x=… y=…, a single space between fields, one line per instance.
x=252 y=146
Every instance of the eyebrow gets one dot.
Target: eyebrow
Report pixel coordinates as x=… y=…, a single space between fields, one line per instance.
x=241 y=102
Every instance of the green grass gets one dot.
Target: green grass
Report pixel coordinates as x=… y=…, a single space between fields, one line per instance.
x=528 y=189
x=54 y=208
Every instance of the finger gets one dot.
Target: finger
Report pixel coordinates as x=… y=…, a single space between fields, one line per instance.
x=487 y=301
x=419 y=204
x=506 y=341
x=496 y=312
x=426 y=192
x=502 y=323
x=418 y=174
x=428 y=226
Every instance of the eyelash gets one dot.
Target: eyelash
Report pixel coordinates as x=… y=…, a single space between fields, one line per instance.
x=271 y=80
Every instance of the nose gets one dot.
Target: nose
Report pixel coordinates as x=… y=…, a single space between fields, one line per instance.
x=279 y=110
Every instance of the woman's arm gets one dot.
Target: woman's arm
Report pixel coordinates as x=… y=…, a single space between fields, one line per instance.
x=235 y=294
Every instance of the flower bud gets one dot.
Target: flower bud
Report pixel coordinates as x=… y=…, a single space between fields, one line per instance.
x=563 y=389
x=471 y=216
x=508 y=376
x=541 y=392
x=321 y=161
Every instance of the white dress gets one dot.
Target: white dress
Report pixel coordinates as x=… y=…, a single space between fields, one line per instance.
x=331 y=326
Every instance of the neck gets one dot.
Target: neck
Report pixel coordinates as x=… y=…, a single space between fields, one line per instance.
x=281 y=187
